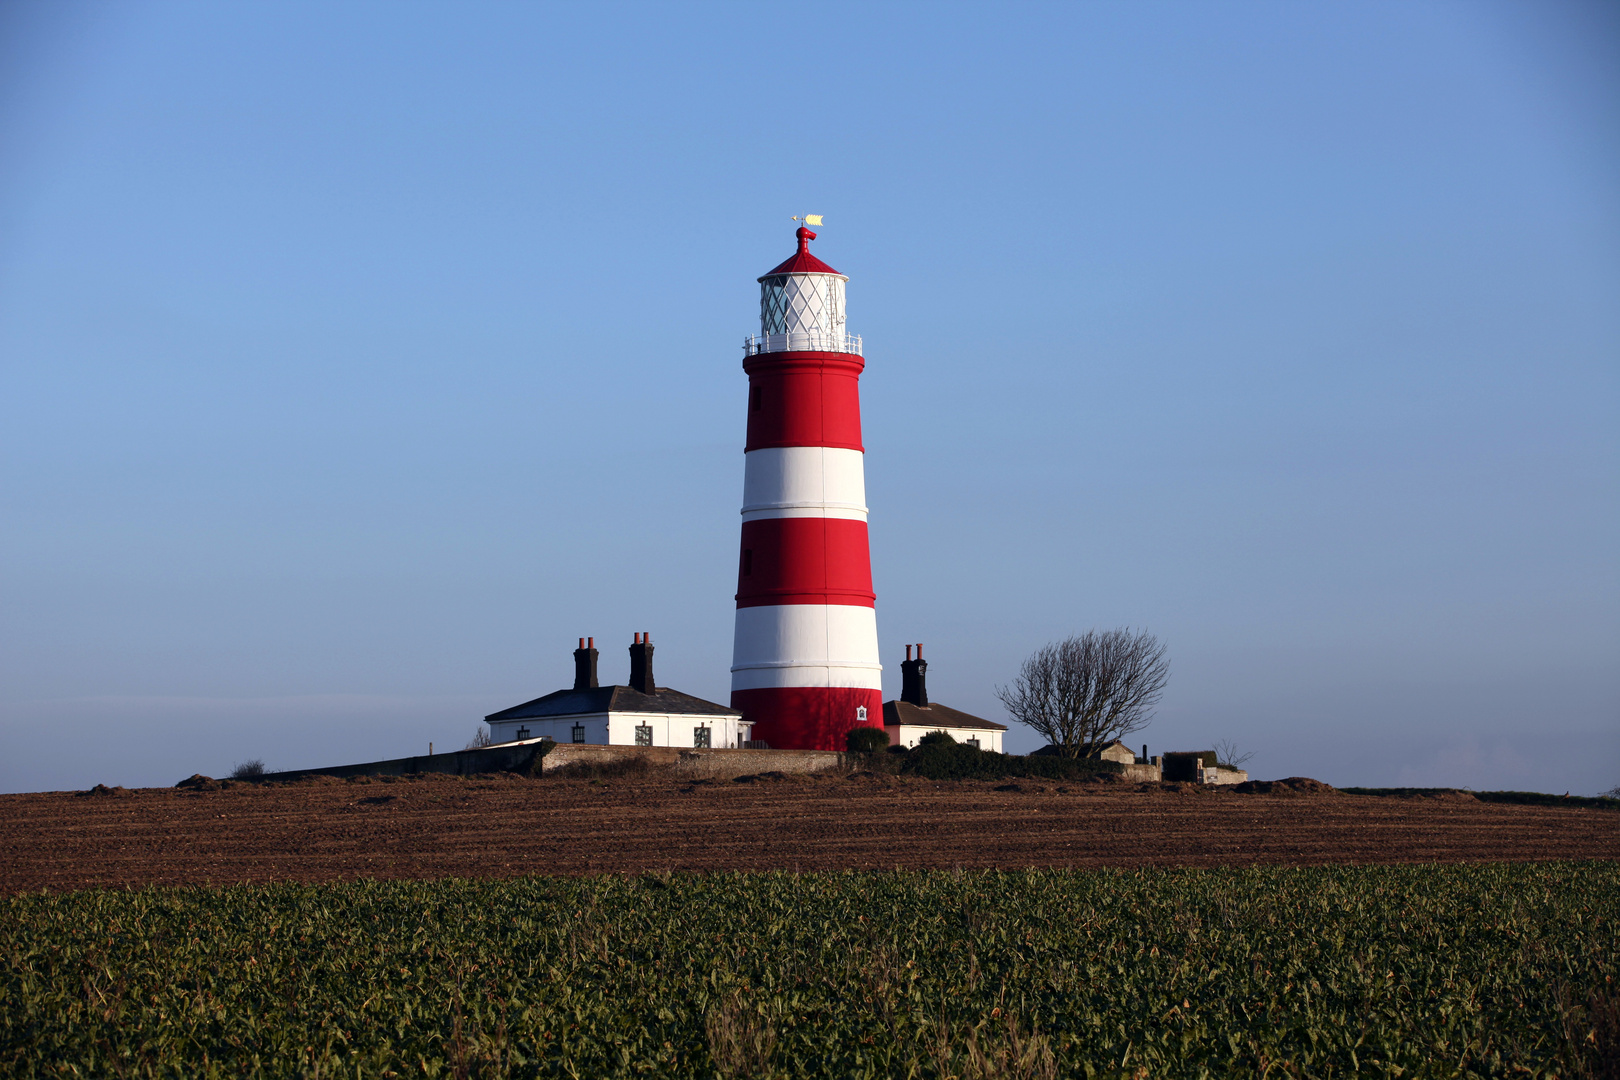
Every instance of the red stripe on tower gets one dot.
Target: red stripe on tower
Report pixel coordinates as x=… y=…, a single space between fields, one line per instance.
x=805 y=659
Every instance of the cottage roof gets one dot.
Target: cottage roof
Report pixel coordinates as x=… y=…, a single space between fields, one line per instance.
x=934 y=715
x=618 y=699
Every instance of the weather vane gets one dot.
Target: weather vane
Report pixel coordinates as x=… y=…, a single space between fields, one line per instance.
x=808 y=219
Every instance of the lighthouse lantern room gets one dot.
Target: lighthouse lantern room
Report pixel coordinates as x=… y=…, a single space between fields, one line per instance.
x=805 y=664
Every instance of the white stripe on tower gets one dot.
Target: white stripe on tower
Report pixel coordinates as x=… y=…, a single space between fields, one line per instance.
x=804 y=481
x=806 y=645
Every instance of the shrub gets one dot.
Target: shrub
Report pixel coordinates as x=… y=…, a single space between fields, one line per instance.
x=1057 y=768
x=867 y=740
x=251 y=769
x=939 y=760
x=937 y=738
x=955 y=762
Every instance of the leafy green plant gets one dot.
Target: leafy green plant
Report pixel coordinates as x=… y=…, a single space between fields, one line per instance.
x=867 y=740
x=740 y=1040
x=1410 y=971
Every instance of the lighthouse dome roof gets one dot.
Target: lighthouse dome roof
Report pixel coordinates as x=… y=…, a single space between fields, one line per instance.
x=802 y=261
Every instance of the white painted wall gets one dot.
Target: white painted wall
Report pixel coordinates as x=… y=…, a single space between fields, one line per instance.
x=676 y=729
x=619 y=729
x=909 y=735
x=806 y=645
x=804 y=481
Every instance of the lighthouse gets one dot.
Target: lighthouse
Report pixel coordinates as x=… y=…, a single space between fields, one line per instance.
x=805 y=664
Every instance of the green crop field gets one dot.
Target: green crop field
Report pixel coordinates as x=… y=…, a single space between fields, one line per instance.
x=1410 y=971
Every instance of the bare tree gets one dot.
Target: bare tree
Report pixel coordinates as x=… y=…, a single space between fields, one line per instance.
x=1227 y=756
x=480 y=740
x=1083 y=692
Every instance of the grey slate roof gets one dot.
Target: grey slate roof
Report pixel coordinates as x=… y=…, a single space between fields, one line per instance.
x=934 y=715
x=603 y=699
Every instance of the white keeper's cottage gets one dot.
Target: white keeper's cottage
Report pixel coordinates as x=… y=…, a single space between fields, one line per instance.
x=640 y=714
x=911 y=716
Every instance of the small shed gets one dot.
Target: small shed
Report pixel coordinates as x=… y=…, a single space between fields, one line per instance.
x=1113 y=751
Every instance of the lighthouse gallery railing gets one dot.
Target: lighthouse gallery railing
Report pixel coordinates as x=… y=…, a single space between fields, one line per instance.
x=802 y=341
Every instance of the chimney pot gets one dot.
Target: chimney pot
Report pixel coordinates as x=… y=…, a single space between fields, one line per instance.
x=585 y=665
x=914 y=679
x=641 y=672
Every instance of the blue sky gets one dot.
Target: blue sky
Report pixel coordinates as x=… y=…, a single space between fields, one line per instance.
x=357 y=358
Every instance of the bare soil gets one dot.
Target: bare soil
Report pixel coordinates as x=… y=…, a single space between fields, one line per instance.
x=324 y=829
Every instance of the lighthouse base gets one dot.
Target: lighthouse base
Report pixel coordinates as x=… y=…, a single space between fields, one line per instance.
x=808 y=717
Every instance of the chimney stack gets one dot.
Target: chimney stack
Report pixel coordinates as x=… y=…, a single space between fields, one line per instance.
x=914 y=679
x=641 y=675
x=585 y=664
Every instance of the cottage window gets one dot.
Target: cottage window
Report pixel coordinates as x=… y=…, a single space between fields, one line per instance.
x=973 y=743
x=860 y=714
x=523 y=733
x=579 y=732
x=643 y=734
x=700 y=736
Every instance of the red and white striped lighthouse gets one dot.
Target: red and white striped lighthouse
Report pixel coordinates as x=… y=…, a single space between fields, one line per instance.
x=805 y=659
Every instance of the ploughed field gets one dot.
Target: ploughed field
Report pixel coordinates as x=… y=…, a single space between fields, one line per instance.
x=435 y=826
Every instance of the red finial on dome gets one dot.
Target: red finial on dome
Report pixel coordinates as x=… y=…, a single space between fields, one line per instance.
x=803 y=262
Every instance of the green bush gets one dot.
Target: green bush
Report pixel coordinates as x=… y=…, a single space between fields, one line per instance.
x=937 y=738
x=939 y=760
x=867 y=740
x=1067 y=768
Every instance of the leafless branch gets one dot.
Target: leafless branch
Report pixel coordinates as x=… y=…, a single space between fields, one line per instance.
x=1086 y=691
x=1227 y=756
